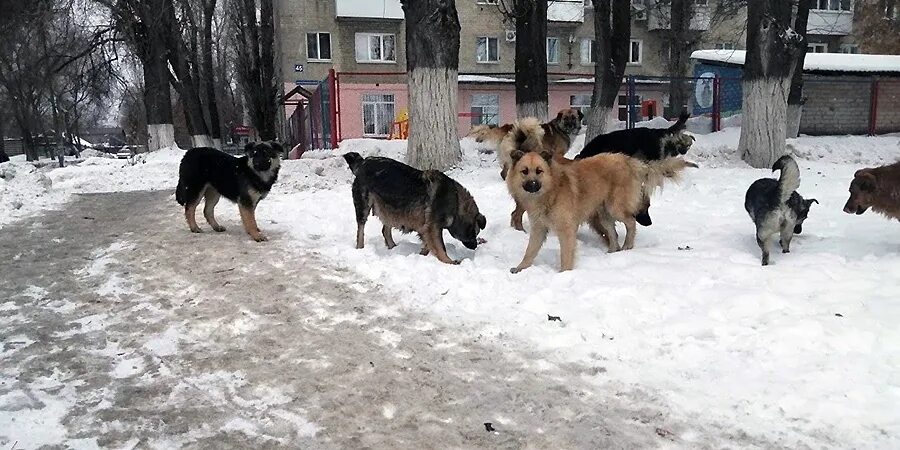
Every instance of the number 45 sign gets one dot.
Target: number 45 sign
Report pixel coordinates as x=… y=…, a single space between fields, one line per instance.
x=298 y=67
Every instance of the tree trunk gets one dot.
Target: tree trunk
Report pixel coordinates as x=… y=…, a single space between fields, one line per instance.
x=612 y=26
x=795 y=97
x=531 y=59
x=432 y=62
x=770 y=62
x=185 y=81
x=209 y=81
x=680 y=27
x=157 y=93
x=268 y=129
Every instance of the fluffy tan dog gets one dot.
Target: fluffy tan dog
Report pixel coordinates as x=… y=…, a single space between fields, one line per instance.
x=561 y=196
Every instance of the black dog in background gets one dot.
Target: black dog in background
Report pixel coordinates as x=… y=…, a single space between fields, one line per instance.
x=776 y=207
x=646 y=144
x=210 y=173
x=414 y=201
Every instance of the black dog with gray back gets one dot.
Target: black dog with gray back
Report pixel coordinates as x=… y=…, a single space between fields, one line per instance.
x=776 y=207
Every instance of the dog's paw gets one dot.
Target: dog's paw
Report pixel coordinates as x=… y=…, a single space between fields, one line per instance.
x=786 y=250
x=196 y=230
x=259 y=238
x=515 y=270
x=481 y=241
x=218 y=228
x=455 y=262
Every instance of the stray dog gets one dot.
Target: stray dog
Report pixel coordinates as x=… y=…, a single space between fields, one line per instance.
x=412 y=200
x=210 y=173
x=877 y=188
x=557 y=136
x=560 y=197
x=646 y=144
x=776 y=207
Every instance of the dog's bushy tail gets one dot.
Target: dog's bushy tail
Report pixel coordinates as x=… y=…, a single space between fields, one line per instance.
x=789 y=181
x=354 y=160
x=657 y=172
x=681 y=124
x=526 y=135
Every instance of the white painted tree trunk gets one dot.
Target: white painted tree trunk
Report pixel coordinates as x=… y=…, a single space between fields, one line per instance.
x=202 y=140
x=597 y=121
x=764 y=127
x=433 y=137
x=535 y=109
x=159 y=136
x=794 y=114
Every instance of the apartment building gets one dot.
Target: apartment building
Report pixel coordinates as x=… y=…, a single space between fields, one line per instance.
x=368 y=37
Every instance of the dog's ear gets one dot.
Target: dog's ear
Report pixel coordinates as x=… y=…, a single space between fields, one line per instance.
x=810 y=201
x=516 y=155
x=481 y=221
x=548 y=156
x=559 y=115
x=249 y=147
x=277 y=148
x=866 y=180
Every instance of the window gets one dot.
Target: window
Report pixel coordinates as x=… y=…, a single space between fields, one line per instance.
x=318 y=46
x=725 y=46
x=588 y=51
x=817 y=48
x=552 y=50
x=487 y=50
x=634 y=56
x=581 y=102
x=485 y=109
x=623 y=106
x=375 y=47
x=378 y=114
x=850 y=48
x=832 y=5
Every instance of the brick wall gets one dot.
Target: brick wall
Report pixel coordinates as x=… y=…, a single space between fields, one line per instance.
x=835 y=105
x=887 y=119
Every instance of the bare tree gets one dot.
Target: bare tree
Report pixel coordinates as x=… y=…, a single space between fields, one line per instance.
x=254 y=41
x=185 y=74
x=612 y=28
x=795 y=96
x=772 y=46
x=530 y=19
x=874 y=22
x=432 y=64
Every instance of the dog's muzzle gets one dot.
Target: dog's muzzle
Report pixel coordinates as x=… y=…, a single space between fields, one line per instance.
x=849 y=209
x=531 y=186
x=798 y=228
x=471 y=245
x=262 y=166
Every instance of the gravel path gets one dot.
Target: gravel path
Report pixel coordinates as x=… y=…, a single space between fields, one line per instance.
x=122 y=329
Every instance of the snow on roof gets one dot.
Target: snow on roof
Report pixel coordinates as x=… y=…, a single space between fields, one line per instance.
x=829 y=62
x=463 y=78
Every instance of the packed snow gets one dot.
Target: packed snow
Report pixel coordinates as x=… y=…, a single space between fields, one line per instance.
x=805 y=351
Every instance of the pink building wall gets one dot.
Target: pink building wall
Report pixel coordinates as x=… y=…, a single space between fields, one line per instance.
x=559 y=95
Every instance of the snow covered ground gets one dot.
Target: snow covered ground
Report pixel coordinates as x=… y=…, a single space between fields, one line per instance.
x=805 y=352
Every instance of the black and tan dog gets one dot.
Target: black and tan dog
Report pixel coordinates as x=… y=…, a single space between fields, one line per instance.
x=210 y=173
x=646 y=144
x=413 y=201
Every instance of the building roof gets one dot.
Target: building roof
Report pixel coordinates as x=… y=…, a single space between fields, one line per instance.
x=816 y=62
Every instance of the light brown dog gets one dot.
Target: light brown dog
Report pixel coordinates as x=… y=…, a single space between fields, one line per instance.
x=557 y=136
x=561 y=196
x=877 y=188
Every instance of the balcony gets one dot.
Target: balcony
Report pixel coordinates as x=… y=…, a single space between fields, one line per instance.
x=566 y=11
x=831 y=23
x=369 y=9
